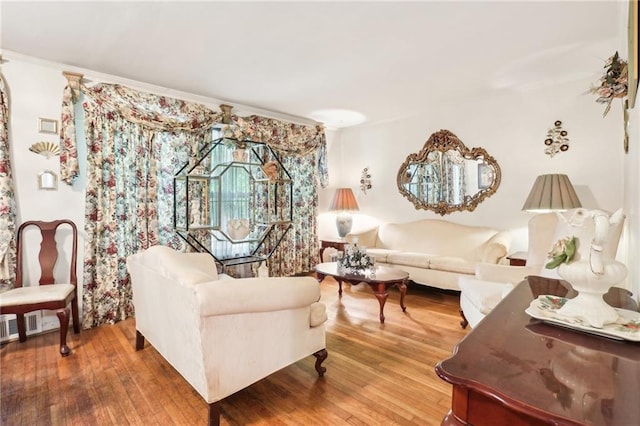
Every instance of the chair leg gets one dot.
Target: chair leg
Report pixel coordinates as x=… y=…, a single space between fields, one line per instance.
x=321 y=355
x=139 y=341
x=63 y=316
x=76 y=318
x=214 y=413
x=464 y=323
x=22 y=330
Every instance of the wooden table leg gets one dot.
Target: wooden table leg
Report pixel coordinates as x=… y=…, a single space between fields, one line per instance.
x=403 y=290
x=339 y=287
x=380 y=289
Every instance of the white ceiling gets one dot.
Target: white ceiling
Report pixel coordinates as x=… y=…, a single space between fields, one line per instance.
x=385 y=60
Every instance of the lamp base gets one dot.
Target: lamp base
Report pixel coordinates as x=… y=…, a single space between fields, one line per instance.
x=343 y=224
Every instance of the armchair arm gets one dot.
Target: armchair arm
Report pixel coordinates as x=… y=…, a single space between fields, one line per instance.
x=247 y=295
x=368 y=238
x=497 y=247
x=502 y=273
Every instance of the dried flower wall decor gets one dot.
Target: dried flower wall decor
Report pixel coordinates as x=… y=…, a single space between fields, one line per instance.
x=556 y=139
x=365 y=180
x=613 y=83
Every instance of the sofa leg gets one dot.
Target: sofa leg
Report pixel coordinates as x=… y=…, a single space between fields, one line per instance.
x=464 y=323
x=321 y=355
x=214 y=413
x=139 y=341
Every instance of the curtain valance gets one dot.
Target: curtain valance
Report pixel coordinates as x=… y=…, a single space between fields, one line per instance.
x=153 y=111
x=161 y=113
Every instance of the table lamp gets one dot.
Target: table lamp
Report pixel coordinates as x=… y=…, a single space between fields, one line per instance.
x=343 y=202
x=552 y=192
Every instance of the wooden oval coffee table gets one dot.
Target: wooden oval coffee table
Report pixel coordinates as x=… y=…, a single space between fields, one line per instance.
x=384 y=278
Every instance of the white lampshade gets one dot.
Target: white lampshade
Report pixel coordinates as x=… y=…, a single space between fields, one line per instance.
x=552 y=192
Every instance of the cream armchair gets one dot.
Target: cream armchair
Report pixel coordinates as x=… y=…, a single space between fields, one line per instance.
x=479 y=294
x=223 y=334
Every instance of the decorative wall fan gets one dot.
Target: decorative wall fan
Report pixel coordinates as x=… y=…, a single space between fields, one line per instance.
x=48 y=149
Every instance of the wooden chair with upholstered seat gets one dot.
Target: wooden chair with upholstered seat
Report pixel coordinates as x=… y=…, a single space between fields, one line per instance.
x=47 y=294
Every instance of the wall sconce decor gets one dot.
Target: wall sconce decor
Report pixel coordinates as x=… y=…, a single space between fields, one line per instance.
x=48 y=125
x=47 y=180
x=365 y=180
x=47 y=149
x=556 y=140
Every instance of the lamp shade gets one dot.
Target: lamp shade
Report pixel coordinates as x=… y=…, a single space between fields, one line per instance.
x=343 y=200
x=552 y=192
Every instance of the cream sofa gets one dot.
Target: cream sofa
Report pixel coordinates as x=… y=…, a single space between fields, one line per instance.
x=434 y=252
x=223 y=334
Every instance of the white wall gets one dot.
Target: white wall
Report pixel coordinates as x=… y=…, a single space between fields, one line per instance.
x=632 y=199
x=511 y=126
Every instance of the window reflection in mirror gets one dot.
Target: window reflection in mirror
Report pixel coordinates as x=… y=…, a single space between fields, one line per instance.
x=446 y=176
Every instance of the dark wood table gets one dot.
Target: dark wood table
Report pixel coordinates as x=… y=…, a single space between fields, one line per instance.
x=384 y=278
x=516 y=370
x=338 y=245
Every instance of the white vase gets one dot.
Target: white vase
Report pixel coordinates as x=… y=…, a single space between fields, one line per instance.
x=238 y=229
x=593 y=269
x=589 y=305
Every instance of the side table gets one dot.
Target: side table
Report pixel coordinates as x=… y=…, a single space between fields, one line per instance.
x=338 y=245
x=518 y=258
x=513 y=369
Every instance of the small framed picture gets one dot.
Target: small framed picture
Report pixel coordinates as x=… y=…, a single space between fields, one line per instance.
x=47 y=125
x=47 y=180
x=485 y=176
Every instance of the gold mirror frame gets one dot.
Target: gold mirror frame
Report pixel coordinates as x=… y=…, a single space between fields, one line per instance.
x=442 y=142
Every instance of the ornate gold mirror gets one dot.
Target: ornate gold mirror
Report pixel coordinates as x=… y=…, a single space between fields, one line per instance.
x=446 y=176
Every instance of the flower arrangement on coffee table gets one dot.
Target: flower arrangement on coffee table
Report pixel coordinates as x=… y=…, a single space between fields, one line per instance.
x=355 y=259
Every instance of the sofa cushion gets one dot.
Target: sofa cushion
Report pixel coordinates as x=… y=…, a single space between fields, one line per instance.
x=452 y=264
x=436 y=236
x=417 y=260
x=261 y=294
x=483 y=295
x=368 y=238
x=381 y=255
x=502 y=273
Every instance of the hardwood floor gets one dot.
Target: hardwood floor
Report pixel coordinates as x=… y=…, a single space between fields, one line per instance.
x=377 y=374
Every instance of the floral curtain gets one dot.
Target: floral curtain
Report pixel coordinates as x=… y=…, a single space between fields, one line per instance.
x=298 y=251
x=7 y=198
x=135 y=143
x=302 y=151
